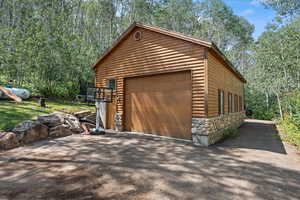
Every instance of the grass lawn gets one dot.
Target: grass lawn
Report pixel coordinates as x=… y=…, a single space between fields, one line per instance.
x=12 y=113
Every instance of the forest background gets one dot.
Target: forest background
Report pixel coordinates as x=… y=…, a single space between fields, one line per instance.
x=48 y=46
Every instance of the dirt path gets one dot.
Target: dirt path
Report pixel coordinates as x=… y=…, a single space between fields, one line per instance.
x=256 y=165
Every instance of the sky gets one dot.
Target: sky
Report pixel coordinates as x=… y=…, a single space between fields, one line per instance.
x=254 y=12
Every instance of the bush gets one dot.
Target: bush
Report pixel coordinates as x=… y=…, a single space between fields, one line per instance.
x=290 y=130
x=263 y=114
x=230 y=133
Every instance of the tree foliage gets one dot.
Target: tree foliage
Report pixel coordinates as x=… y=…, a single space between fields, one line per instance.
x=275 y=73
x=284 y=7
x=49 y=46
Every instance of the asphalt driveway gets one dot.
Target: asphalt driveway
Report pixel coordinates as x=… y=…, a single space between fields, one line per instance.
x=256 y=165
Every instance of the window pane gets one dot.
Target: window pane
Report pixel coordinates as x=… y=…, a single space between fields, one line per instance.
x=221 y=101
x=111 y=83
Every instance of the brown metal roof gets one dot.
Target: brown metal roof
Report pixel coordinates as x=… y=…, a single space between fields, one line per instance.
x=188 y=38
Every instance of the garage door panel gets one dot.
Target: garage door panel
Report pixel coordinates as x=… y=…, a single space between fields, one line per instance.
x=159 y=104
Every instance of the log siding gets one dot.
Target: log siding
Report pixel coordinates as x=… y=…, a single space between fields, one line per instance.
x=155 y=53
x=220 y=78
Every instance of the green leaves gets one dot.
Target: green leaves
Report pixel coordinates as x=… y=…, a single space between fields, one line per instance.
x=49 y=46
x=276 y=70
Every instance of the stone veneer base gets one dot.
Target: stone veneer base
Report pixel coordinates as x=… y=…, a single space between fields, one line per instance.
x=207 y=131
x=118 y=122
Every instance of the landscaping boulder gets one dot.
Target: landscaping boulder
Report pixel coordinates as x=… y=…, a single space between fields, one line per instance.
x=73 y=123
x=60 y=131
x=87 y=127
x=90 y=118
x=8 y=140
x=30 y=131
x=82 y=114
x=51 y=120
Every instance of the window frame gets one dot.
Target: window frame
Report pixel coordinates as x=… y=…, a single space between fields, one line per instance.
x=108 y=83
x=240 y=103
x=229 y=102
x=232 y=103
x=236 y=103
x=221 y=102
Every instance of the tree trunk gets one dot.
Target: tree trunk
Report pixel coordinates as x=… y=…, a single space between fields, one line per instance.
x=279 y=106
x=267 y=100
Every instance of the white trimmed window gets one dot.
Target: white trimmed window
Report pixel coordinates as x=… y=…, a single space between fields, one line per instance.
x=221 y=102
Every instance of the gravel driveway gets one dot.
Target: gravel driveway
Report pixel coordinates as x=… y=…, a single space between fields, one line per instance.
x=256 y=165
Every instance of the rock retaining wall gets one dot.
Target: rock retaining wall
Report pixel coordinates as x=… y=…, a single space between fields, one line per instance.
x=48 y=126
x=206 y=131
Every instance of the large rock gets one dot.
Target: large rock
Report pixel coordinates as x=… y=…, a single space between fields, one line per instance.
x=73 y=123
x=51 y=120
x=90 y=118
x=83 y=113
x=88 y=125
x=8 y=140
x=30 y=131
x=60 y=131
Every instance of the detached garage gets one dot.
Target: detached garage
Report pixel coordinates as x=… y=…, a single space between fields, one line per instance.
x=159 y=104
x=169 y=84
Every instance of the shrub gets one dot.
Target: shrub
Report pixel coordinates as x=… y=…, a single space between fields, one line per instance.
x=230 y=133
x=290 y=130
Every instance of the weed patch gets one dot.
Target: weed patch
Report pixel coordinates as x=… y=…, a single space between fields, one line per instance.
x=230 y=133
x=290 y=130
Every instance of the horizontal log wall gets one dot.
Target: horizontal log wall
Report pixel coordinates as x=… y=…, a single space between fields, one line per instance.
x=154 y=53
x=220 y=77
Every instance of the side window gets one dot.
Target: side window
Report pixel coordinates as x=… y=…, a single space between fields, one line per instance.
x=236 y=103
x=232 y=103
x=240 y=103
x=112 y=83
x=221 y=101
x=229 y=102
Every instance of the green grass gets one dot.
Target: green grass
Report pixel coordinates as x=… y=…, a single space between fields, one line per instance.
x=12 y=113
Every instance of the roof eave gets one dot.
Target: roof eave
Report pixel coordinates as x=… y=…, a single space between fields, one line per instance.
x=155 y=29
x=220 y=53
x=120 y=38
x=205 y=43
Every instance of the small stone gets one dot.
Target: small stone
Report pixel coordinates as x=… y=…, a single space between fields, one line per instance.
x=8 y=140
x=73 y=123
x=90 y=118
x=89 y=126
x=60 y=131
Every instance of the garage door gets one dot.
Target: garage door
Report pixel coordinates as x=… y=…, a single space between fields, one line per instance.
x=159 y=104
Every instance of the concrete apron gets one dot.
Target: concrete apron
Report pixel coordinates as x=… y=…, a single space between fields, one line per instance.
x=204 y=131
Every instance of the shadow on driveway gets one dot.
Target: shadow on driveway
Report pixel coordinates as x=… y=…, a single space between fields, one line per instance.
x=257 y=134
x=127 y=166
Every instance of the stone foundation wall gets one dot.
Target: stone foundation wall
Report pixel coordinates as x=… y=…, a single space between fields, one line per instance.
x=206 y=131
x=118 y=122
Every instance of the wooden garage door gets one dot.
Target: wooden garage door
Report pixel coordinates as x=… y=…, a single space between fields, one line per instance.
x=159 y=104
